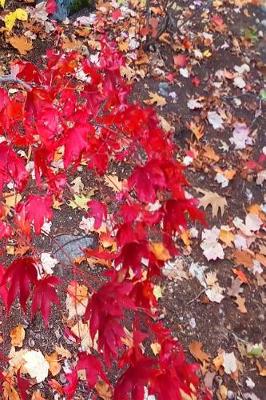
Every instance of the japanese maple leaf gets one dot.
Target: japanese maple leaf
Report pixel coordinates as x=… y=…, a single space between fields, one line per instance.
x=133 y=381
x=5 y=230
x=105 y=311
x=76 y=142
x=36 y=209
x=19 y=278
x=44 y=294
x=93 y=368
x=70 y=388
x=3 y=289
x=23 y=386
x=12 y=168
x=147 y=180
x=98 y=211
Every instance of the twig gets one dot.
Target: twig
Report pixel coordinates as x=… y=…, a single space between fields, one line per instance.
x=12 y=79
x=198 y=295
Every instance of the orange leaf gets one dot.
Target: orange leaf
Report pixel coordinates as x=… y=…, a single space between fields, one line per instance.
x=195 y=349
x=241 y=275
x=21 y=43
x=243 y=258
x=160 y=252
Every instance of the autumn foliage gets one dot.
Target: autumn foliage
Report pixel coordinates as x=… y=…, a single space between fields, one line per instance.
x=74 y=112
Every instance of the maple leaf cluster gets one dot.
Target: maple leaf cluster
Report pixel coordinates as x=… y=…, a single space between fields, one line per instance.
x=91 y=121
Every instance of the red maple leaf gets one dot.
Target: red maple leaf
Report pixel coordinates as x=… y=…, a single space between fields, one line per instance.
x=105 y=311
x=12 y=168
x=147 y=180
x=98 y=211
x=71 y=387
x=93 y=367
x=51 y=6
x=76 y=142
x=19 y=278
x=3 y=289
x=44 y=294
x=36 y=209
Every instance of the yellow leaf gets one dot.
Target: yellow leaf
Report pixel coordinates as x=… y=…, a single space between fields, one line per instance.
x=156 y=348
x=10 y=20
x=2 y=3
x=17 y=336
x=226 y=237
x=157 y=291
x=160 y=252
x=21 y=14
x=104 y=390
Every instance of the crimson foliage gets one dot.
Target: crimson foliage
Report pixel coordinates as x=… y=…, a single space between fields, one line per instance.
x=82 y=110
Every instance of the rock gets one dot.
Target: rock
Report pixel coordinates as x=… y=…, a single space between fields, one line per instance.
x=67 y=248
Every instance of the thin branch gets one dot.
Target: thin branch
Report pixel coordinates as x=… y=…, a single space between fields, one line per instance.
x=12 y=79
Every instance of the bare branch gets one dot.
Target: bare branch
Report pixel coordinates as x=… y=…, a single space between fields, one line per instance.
x=12 y=79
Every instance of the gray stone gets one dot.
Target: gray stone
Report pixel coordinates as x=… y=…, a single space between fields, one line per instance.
x=67 y=248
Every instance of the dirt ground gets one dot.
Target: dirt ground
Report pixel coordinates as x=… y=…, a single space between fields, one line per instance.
x=234 y=39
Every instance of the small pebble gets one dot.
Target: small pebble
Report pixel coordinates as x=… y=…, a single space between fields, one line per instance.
x=230 y=395
x=31 y=342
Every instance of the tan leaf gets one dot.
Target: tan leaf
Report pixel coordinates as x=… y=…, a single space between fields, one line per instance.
x=113 y=182
x=227 y=237
x=195 y=349
x=243 y=258
x=156 y=99
x=37 y=396
x=210 y=153
x=69 y=44
x=61 y=351
x=197 y=130
x=54 y=366
x=17 y=335
x=156 y=348
x=240 y=302
x=9 y=392
x=104 y=390
x=21 y=43
x=216 y=201
x=123 y=46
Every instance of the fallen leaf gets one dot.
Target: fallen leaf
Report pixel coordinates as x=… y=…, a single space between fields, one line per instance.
x=54 y=366
x=216 y=201
x=240 y=302
x=36 y=365
x=160 y=251
x=196 y=129
x=104 y=390
x=21 y=43
x=210 y=153
x=243 y=258
x=17 y=335
x=215 y=120
x=229 y=363
x=156 y=99
x=227 y=237
x=195 y=349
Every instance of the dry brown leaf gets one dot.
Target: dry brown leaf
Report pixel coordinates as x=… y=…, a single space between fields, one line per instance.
x=262 y=370
x=9 y=392
x=21 y=43
x=37 y=396
x=243 y=258
x=123 y=46
x=104 y=390
x=216 y=201
x=156 y=99
x=261 y=259
x=210 y=153
x=17 y=336
x=113 y=182
x=240 y=302
x=61 y=351
x=197 y=130
x=69 y=44
x=54 y=366
x=195 y=349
